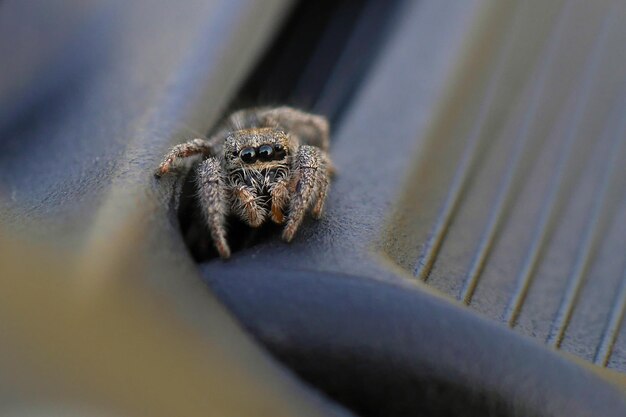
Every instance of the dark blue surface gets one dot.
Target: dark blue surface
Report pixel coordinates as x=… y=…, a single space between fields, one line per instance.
x=389 y=349
x=84 y=127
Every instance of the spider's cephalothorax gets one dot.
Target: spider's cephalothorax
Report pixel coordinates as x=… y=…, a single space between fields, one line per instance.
x=268 y=163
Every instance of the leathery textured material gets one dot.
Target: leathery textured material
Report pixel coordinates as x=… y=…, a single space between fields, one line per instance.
x=341 y=310
x=93 y=95
x=389 y=349
x=522 y=216
x=447 y=75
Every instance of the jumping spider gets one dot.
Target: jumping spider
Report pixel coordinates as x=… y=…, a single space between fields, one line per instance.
x=260 y=163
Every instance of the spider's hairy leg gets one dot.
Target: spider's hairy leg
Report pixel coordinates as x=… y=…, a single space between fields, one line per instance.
x=280 y=197
x=213 y=198
x=309 y=180
x=324 y=182
x=247 y=206
x=179 y=154
x=311 y=129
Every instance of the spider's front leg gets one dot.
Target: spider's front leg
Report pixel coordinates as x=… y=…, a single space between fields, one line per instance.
x=181 y=153
x=214 y=202
x=309 y=185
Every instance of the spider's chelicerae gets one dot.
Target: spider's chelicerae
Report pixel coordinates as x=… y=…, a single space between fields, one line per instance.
x=261 y=164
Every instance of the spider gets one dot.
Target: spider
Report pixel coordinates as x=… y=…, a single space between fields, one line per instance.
x=261 y=164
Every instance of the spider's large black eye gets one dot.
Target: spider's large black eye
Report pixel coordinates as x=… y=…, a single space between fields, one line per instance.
x=279 y=152
x=248 y=155
x=265 y=153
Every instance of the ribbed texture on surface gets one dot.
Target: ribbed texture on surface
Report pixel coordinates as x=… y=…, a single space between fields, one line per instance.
x=531 y=229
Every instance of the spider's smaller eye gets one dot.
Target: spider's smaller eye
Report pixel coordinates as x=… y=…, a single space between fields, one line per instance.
x=235 y=153
x=248 y=155
x=265 y=152
x=279 y=152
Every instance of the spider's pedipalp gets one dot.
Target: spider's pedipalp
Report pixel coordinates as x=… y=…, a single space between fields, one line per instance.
x=247 y=205
x=213 y=198
x=280 y=198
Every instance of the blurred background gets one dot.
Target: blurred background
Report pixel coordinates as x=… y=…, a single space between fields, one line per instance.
x=471 y=261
